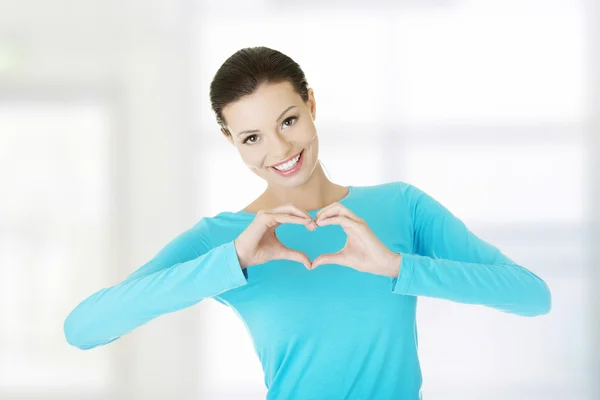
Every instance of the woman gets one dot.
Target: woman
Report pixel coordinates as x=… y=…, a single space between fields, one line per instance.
x=325 y=277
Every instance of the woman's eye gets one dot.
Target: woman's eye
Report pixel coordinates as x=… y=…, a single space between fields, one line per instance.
x=255 y=136
x=248 y=138
x=290 y=118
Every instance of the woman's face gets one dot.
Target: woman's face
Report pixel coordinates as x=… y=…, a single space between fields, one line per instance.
x=281 y=127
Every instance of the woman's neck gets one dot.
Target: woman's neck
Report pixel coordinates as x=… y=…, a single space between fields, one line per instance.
x=317 y=192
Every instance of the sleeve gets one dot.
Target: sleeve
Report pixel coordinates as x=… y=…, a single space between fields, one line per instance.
x=452 y=263
x=186 y=271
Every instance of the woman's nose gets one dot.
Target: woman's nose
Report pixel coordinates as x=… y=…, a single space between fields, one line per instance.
x=279 y=146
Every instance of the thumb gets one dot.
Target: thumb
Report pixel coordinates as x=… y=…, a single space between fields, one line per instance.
x=326 y=259
x=297 y=256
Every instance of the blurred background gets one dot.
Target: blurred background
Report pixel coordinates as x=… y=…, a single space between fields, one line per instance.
x=109 y=149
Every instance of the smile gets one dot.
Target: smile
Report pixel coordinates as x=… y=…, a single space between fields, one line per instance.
x=290 y=166
x=287 y=164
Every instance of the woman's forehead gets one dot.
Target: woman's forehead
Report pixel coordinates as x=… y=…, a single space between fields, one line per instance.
x=264 y=106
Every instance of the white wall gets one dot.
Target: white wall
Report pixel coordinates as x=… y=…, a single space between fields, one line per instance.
x=131 y=61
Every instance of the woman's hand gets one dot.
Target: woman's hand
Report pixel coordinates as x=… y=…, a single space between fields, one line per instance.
x=258 y=243
x=363 y=251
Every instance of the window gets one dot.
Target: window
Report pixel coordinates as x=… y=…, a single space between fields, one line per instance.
x=54 y=233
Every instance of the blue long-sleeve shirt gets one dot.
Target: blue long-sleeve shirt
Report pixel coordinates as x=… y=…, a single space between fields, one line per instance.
x=332 y=332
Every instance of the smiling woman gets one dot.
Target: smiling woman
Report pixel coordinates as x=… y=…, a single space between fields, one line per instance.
x=267 y=111
x=325 y=277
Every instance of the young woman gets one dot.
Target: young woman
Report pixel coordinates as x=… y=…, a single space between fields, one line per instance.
x=325 y=277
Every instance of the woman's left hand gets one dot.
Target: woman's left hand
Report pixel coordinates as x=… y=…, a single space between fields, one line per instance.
x=363 y=251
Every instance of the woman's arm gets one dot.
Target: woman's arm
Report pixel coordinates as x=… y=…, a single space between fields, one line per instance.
x=181 y=274
x=453 y=263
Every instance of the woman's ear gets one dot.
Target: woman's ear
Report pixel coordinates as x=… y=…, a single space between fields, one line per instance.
x=312 y=104
x=227 y=135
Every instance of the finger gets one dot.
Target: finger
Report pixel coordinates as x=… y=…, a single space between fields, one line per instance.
x=336 y=209
x=292 y=209
x=342 y=220
x=306 y=221
x=311 y=225
x=325 y=209
x=274 y=220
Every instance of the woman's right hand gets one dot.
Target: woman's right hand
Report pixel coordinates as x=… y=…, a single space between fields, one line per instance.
x=259 y=243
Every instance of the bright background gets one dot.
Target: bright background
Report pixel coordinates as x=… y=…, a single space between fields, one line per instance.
x=109 y=149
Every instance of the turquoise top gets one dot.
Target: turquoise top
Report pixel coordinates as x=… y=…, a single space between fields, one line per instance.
x=332 y=332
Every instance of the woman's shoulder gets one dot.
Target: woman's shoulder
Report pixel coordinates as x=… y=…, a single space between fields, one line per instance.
x=390 y=189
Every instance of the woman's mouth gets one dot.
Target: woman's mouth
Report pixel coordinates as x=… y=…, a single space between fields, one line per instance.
x=290 y=167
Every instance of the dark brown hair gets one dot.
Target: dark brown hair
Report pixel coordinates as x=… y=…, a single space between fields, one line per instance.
x=244 y=71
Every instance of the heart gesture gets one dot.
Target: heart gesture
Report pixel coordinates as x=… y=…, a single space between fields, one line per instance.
x=363 y=251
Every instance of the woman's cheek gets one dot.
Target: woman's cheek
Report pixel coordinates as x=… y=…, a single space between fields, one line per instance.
x=253 y=162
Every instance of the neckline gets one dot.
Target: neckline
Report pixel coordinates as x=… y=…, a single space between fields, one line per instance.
x=341 y=201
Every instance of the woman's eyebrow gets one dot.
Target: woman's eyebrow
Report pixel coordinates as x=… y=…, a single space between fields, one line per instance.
x=277 y=120
x=283 y=113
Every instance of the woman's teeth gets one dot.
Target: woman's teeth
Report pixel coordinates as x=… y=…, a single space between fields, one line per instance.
x=288 y=165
